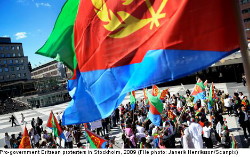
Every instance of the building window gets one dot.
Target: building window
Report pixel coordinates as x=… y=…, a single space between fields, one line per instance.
x=13 y=76
x=17 y=68
x=21 y=60
x=16 y=61
x=6 y=69
x=7 y=76
x=8 y=55
x=247 y=20
x=19 y=75
x=12 y=48
x=1 y=77
x=12 y=68
x=24 y=74
x=19 y=54
x=1 y=70
x=7 y=47
x=1 y=48
x=2 y=55
x=11 y=61
x=17 y=47
x=4 y=62
x=14 y=55
x=23 y=67
x=244 y=1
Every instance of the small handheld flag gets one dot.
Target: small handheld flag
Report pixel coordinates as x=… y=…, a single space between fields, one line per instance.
x=54 y=125
x=25 y=141
x=132 y=100
x=95 y=140
x=155 y=109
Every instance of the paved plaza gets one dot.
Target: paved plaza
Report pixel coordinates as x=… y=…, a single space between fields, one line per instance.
x=43 y=113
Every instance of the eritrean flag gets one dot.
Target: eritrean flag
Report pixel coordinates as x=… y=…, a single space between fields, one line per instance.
x=54 y=125
x=163 y=94
x=155 y=109
x=118 y=47
x=145 y=96
x=198 y=91
x=155 y=90
x=132 y=100
x=211 y=97
x=95 y=141
x=25 y=141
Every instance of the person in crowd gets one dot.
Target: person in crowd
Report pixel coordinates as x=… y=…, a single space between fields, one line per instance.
x=244 y=80
x=33 y=123
x=241 y=95
x=12 y=140
x=7 y=140
x=130 y=135
x=22 y=118
x=12 y=120
x=195 y=131
x=69 y=138
x=58 y=116
x=228 y=104
x=244 y=121
x=207 y=135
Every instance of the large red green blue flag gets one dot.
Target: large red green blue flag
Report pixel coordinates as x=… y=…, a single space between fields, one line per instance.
x=54 y=125
x=117 y=47
x=94 y=140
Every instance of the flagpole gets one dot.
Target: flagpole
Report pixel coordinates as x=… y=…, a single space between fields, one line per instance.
x=243 y=43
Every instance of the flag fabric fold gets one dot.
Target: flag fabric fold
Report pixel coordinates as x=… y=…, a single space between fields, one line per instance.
x=54 y=125
x=25 y=141
x=114 y=49
x=95 y=141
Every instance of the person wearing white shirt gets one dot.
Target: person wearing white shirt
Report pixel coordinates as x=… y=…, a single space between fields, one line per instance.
x=155 y=130
x=241 y=95
x=59 y=119
x=227 y=104
x=179 y=103
x=140 y=131
x=195 y=131
x=207 y=135
x=7 y=139
x=186 y=141
x=69 y=138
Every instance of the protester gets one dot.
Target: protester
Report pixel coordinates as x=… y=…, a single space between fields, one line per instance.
x=181 y=118
x=7 y=140
x=12 y=120
x=244 y=121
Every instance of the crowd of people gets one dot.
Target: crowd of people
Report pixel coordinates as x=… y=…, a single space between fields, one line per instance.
x=194 y=124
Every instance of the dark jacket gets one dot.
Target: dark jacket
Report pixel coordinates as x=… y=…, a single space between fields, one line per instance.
x=241 y=117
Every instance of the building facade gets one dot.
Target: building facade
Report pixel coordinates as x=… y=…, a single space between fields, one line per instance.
x=51 y=69
x=14 y=65
x=245 y=10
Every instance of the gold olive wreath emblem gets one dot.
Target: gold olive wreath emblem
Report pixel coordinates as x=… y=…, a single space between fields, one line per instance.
x=129 y=23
